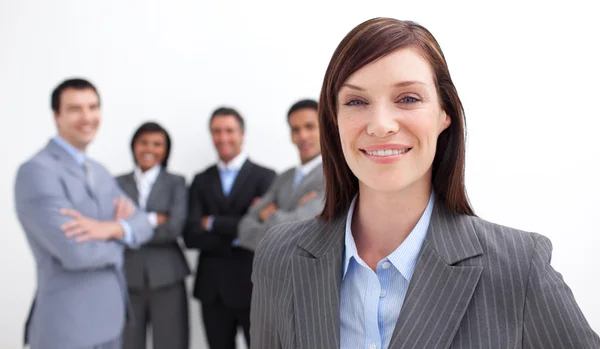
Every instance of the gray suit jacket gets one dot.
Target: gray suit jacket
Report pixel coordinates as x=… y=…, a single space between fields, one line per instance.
x=251 y=230
x=81 y=291
x=160 y=260
x=475 y=285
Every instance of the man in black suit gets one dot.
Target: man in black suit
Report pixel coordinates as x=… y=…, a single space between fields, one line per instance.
x=219 y=197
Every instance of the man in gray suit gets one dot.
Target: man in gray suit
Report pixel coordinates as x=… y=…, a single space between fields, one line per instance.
x=297 y=194
x=77 y=222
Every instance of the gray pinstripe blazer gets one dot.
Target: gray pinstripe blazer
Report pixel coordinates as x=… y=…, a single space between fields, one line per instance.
x=476 y=285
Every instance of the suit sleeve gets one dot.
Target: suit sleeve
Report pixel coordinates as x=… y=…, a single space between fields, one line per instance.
x=138 y=222
x=228 y=225
x=172 y=229
x=552 y=318
x=250 y=229
x=39 y=196
x=194 y=235
x=263 y=312
x=307 y=211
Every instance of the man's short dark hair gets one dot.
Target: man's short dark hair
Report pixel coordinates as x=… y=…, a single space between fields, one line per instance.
x=226 y=111
x=78 y=84
x=303 y=104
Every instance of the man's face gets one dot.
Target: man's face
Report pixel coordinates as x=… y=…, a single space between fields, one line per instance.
x=304 y=125
x=227 y=136
x=78 y=116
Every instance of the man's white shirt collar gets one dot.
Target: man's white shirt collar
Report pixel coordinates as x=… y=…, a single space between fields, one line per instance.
x=235 y=164
x=149 y=176
x=311 y=165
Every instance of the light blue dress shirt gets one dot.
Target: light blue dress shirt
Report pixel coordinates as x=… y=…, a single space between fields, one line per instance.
x=228 y=173
x=370 y=302
x=228 y=177
x=80 y=158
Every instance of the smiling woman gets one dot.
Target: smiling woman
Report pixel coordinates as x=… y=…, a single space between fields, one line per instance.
x=156 y=271
x=397 y=259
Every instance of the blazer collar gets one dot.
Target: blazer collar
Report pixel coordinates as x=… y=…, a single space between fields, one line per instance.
x=438 y=295
x=65 y=159
x=450 y=235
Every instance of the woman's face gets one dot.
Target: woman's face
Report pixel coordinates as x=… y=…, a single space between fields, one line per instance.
x=150 y=149
x=389 y=119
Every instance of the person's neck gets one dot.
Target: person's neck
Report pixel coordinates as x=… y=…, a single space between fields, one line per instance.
x=81 y=148
x=383 y=220
x=228 y=160
x=304 y=162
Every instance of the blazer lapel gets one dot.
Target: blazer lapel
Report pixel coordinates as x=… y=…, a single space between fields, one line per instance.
x=317 y=276
x=240 y=179
x=308 y=180
x=66 y=160
x=70 y=165
x=157 y=189
x=440 y=291
x=130 y=188
x=217 y=187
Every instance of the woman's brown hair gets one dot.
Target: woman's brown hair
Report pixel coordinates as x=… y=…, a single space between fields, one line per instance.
x=366 y=43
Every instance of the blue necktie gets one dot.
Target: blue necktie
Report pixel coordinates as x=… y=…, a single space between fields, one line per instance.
x=297 y=178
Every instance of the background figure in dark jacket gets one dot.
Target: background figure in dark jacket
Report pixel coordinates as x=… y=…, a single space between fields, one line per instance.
x=218 y=199
x=156 y=272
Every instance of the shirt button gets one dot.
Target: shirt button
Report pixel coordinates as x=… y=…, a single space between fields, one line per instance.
x=372 y=346
x=386 y=265
x=382 y=293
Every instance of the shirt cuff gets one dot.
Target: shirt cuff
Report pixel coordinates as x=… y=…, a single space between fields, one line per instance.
x=210 y=222
x=152 y=218
x=235 y=243
x=128 y=237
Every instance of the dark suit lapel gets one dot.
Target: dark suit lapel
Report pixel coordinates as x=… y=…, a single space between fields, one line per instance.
x=240 y=180
x=317 y=275
x=217 y=187
x=440 y=291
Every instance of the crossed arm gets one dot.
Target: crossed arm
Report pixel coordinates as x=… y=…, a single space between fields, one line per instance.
x=53 y=222
x=266 y=214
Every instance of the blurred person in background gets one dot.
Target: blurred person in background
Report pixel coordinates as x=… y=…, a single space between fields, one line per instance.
x=297 y=194
x=78 y=223
x=218 y=198
x=156 y=271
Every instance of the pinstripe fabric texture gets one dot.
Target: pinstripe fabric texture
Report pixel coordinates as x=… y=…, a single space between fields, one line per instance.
x=475 y=285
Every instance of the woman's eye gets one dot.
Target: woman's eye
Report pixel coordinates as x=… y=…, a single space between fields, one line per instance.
x=408 y=99
x=355 y=102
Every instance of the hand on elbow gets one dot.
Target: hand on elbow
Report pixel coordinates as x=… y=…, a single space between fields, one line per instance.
x=267 y=212
x=123 y=208
x=83 y=228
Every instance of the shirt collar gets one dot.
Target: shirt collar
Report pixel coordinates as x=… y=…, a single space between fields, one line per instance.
x=311 y=165
x=77 y=155
x=404 y=258
x=149 y=175
x=235 y=164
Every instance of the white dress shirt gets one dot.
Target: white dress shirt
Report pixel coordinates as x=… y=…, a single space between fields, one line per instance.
x=145 y=181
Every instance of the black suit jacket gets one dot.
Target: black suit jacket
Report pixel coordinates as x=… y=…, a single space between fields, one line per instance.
x=223 y=271
x=160 y=262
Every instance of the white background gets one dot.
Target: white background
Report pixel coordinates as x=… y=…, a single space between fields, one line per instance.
x=527 y=75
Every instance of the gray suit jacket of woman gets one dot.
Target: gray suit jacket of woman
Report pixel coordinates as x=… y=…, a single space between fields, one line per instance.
x=160 y=260
x=475 y=285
